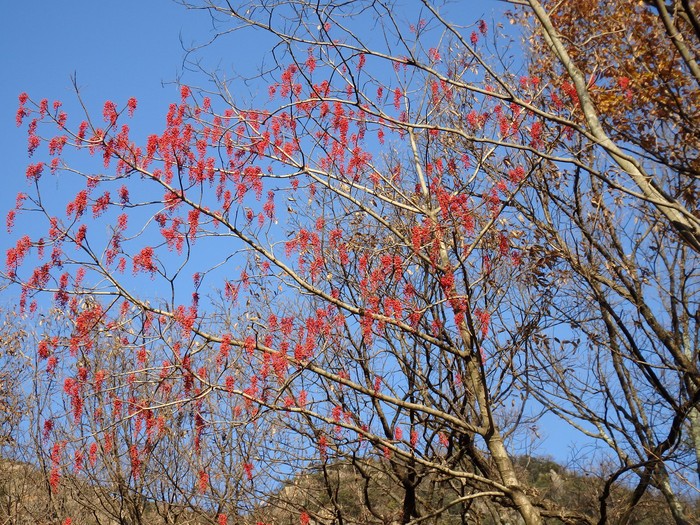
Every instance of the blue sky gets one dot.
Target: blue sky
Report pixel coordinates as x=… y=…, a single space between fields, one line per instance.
x=116 y=49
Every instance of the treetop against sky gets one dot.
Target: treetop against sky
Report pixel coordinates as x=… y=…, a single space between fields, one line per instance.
x=139 y=54
x=392 y=237
x=117 y=51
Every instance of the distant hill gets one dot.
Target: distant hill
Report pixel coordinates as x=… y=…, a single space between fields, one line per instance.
x=26 y=499
x=367 y=492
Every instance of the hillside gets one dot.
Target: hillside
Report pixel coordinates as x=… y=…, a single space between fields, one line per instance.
x=365 y=493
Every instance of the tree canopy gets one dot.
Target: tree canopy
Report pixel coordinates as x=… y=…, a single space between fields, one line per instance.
x=372 y=266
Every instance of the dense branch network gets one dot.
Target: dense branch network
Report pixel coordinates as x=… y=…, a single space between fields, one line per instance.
x=356 y=276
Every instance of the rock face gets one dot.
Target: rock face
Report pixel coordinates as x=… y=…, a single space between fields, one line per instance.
x=370 y=493
x=374 y=492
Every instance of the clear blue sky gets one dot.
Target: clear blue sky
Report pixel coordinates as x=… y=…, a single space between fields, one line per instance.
x=116 y=49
